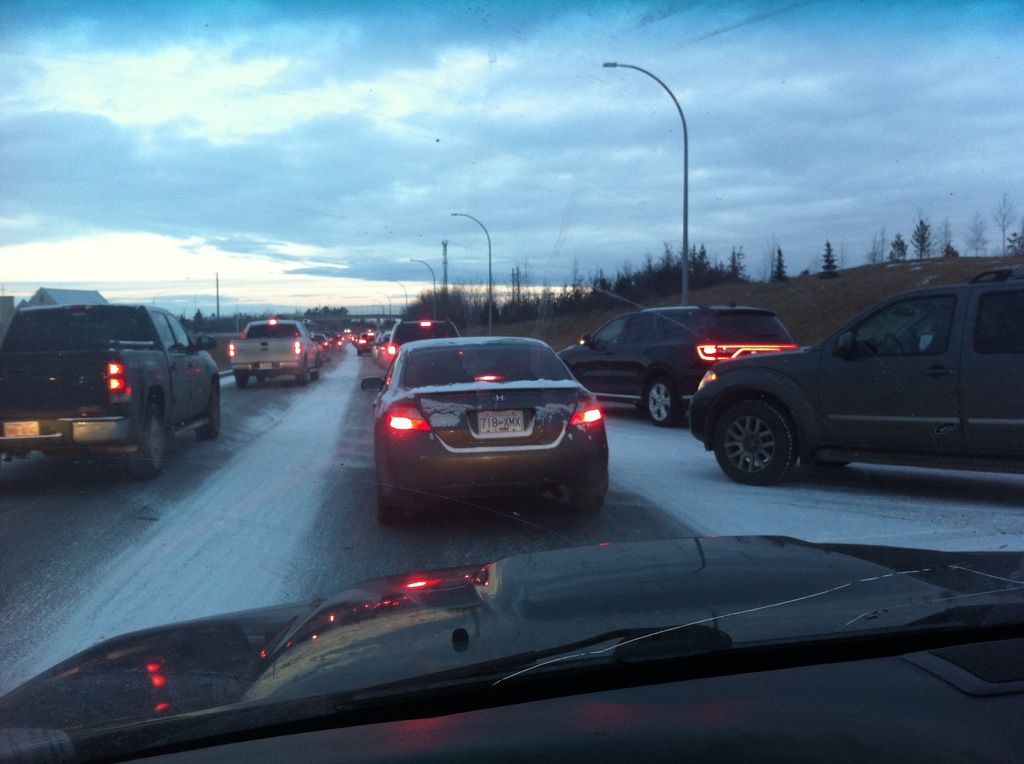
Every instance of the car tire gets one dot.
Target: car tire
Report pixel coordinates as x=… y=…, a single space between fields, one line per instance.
x=389 y=509
x=314 y=374
x=211 y=429
x=754 y=443
x=303 y=376
x=661 y=402
x=148 y=460
x=585 y=500
x=241 y=379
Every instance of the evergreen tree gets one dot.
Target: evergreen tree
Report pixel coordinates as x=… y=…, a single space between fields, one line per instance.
x=922 y=239
x=737 y=271
x=700 y=266
x=829 y=268
x=950 y=251
x=779 y=267
x=898 y=249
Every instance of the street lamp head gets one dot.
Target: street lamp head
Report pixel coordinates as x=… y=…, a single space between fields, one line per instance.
x=609 y=64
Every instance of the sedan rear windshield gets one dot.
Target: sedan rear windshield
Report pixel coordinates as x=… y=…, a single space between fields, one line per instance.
x=452 y=364
x=271 y=331
x=90 y=326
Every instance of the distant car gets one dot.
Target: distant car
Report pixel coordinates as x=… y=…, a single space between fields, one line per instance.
x=929 y=378
x=379 y=349
x=411 y=331
x=364 y=343
x=655 y=358
x=326 y=346
x=484 y=416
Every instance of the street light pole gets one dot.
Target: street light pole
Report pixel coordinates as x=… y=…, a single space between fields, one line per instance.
x=433 y=281
x=490 y=275
x=406 y=296
x=391 y=307
x=686 y=176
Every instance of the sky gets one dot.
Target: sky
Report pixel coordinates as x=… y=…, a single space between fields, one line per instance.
x=309 y=152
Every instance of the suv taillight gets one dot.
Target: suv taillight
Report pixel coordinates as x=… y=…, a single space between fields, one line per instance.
x=231 y=350
x=298 y=347
x=117 y=383
x=392 y=349
x=714 y=352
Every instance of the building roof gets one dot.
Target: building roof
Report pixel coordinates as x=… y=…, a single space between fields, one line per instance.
x=51 y=296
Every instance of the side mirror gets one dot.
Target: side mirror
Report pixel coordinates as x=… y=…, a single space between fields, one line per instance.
x=844 y=346
x=205 y=342
x=374 y=384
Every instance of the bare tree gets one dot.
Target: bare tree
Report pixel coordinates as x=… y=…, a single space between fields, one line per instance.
x=876 y=253
x=945 y=236
x=976 y=239
x=1003 y=215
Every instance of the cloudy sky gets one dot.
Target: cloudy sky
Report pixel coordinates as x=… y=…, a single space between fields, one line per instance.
x=307 y=151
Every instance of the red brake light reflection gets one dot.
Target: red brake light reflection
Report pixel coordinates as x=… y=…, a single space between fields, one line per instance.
x=488 y=378
x=423 y=583
x=157 y=680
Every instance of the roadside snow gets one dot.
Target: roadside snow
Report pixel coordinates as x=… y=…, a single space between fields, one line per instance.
x=865 y=504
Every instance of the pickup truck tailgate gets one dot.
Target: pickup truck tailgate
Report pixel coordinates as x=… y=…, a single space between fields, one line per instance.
x=264 y=350
x=49 y=384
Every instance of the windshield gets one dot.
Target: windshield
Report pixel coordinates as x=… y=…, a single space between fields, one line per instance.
x=619 y=279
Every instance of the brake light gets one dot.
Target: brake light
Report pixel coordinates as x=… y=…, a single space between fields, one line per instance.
x=392 y=349
x=587 y=412
x=425 y=324
x=298 y=347
x=713 y=351
x=231 y=350
x=272 y=322
x=117 y=383
x=404 y=417
x=488 y=378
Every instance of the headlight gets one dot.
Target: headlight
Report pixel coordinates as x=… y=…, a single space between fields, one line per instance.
x=707 y=379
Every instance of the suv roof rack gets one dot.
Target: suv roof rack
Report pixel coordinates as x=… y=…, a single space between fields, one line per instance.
x=999 y=274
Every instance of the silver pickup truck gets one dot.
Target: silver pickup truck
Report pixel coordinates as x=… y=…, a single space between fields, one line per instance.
x=274 y=348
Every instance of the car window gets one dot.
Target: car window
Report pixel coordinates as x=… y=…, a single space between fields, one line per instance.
x=181 y=336
x=410 y=331
x=273 y=331
x=475 y=363
x=611 y=333
x=642 y=328
x=914 y=327
x=163 y=328
x=1000 y=323
x=71 y=328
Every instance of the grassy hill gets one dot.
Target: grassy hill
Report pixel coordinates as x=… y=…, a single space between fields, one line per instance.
x=809 y=306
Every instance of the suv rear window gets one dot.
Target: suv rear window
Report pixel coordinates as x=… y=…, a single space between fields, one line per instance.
x=743 y=327
x=452 y=364
x=410 y=331
x=90 y=326
x=271 y=331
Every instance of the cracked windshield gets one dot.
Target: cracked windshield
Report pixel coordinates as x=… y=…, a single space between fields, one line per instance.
x=358 y=350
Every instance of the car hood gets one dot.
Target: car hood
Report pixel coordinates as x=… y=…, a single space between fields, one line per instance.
x=497 y=618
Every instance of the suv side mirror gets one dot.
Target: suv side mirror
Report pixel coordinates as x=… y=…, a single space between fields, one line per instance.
x=844 y=346
x=374 y=384
x=205 y=342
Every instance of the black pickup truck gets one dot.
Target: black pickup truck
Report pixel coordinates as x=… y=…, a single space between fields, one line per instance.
x=104 y=379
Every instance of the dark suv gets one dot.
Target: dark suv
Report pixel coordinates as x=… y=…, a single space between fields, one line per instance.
x=655 y=358
x=409 y=331
x=932 y=377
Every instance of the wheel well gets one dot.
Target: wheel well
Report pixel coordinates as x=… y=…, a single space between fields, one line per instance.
x=654 y=374
x=735 y=396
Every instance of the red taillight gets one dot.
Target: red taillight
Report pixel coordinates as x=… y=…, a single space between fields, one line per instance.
x=713 y=351
x=392 y=349
x=406 y=418
x=117 y=383
x=587 y=412
x=272 y=322
x=298 y=347
x=425 y=324
x=423 y=583
x=488 y=378
x=231 y=350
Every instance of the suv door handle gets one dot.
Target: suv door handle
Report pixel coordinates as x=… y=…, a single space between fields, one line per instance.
x=939 y=371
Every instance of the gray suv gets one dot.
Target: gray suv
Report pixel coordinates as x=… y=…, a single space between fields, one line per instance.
x=654 y=358
x=932 y=377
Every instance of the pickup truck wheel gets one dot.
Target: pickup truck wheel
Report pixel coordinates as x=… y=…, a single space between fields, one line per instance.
x=315 y=373
x=211 y=429
x=147 y=462
x=662 y=402
x=241 y=379
x=303 y=376
x=754 y=443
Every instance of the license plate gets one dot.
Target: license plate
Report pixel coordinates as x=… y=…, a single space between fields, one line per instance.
x=501 y=422
x=266 y=366
x=21 y=429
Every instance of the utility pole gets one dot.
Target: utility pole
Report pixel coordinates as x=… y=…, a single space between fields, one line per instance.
x=217 y=276
x=444 y=266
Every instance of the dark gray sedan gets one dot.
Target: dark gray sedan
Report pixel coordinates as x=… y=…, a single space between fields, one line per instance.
x=479 y=416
